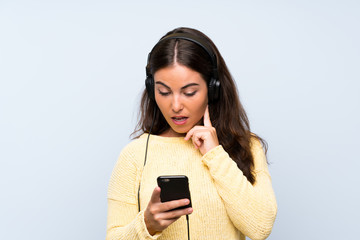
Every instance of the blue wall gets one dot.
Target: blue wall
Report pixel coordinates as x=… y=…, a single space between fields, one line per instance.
x=71 y=75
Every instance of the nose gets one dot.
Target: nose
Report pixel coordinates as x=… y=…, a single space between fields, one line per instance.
x=176 y=104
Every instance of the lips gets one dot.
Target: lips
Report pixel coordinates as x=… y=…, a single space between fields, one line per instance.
x=179 y=120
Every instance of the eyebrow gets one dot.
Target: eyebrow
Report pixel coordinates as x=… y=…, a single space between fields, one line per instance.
x=186 y=86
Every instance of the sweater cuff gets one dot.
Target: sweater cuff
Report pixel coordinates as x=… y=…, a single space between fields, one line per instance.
x=216 y=152
x=142 y=230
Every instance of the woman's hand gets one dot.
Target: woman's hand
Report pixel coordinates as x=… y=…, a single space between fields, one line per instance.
x=158 y=215
x=204 y=137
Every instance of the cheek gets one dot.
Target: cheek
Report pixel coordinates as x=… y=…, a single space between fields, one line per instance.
x=203 y=102
x=199 y=105
x=162 y=104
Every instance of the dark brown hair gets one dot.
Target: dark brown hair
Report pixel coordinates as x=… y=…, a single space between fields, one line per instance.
x=227 y=114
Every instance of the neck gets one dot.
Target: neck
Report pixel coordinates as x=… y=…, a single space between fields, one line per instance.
x=171 y=133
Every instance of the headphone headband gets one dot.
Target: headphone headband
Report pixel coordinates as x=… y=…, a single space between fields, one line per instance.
x=214 y=84
x=191 y=38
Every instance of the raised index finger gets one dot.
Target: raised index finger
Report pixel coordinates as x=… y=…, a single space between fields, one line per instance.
x=207 y=122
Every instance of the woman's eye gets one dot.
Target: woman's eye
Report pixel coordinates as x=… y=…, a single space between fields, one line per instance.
x=164 y=93
x=189 y=94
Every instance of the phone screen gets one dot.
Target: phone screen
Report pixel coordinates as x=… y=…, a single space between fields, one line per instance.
x=174 y=187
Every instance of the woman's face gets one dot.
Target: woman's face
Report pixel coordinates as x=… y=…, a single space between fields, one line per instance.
x=181 y=95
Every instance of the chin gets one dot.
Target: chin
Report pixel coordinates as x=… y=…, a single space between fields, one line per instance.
x=179 y=131
x=183 y=130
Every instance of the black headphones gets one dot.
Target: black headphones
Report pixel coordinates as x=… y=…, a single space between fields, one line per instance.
x=214 y=84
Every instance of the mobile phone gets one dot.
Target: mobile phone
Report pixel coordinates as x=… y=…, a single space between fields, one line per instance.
x=174 y=187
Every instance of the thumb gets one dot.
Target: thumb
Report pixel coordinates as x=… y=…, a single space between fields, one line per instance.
x=155 y=197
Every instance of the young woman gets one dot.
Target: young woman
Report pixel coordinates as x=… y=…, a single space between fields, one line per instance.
x=198 y=128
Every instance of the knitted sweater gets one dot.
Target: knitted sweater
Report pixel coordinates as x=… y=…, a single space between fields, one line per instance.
x=226 y=205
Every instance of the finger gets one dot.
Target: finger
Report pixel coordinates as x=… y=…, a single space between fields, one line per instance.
x=198 y=142
x=196 y=139
x=176 y=213
x=164 y=223
x=192 y=135
x=155 y=197
x=168 y=222
x=207 y=121
x=191 y=132
x=168 y=206
x=194 y=143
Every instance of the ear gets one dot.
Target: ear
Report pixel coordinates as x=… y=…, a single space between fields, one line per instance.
x=150 y=88
x=213 y=90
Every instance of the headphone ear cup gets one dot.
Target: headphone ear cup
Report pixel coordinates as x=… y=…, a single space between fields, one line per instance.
x=213 y=90
x=150 y=88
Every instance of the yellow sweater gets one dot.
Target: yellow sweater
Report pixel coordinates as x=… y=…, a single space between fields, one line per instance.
x=226 y=206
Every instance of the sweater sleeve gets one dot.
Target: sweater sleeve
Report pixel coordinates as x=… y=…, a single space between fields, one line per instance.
x=251 y=208
x=124 y=221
